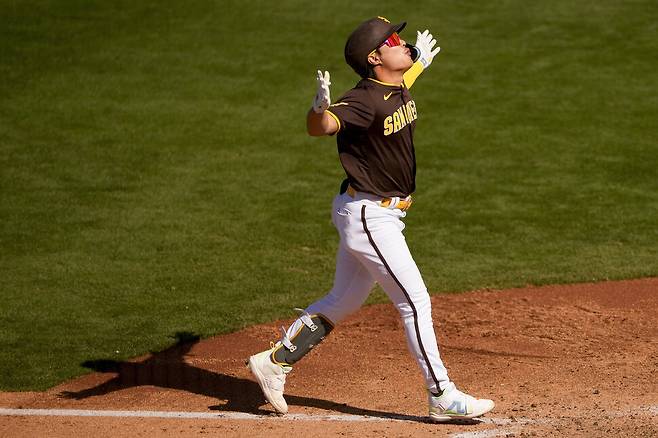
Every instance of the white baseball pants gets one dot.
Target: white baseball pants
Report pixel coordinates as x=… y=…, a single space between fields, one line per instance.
x=373 y=249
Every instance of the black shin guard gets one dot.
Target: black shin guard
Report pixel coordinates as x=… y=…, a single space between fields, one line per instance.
x=313 y=329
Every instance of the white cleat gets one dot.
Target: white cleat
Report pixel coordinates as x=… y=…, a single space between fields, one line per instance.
x=271 y=378
x=456 y=405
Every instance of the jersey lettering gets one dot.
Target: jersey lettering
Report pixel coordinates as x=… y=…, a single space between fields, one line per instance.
x=388 y=125
x=402 y=116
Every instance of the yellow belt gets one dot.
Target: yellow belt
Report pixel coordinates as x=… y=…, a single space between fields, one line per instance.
x=402 y=204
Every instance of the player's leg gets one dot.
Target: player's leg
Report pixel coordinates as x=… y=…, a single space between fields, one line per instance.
x=389 y=261
x=393 y=267
x=352 y=284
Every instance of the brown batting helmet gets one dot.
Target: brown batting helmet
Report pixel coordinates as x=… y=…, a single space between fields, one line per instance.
x=368 y=36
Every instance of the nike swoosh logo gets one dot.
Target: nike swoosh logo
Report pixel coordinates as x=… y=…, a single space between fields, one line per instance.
x=386 y=96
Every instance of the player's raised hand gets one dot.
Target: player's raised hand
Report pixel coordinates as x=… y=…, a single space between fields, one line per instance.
x=322 y=98
x=425 y=43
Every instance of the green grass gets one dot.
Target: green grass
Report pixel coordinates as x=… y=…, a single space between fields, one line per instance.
x=156 y=176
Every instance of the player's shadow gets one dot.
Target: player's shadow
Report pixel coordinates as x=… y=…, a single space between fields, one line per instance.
x=167 y=369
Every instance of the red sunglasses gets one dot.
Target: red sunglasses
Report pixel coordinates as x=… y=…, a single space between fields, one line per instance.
x=392 y=41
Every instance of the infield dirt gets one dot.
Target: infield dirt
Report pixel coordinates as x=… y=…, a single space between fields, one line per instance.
x=576 y=360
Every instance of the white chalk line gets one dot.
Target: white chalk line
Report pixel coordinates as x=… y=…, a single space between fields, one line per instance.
x=511 y=425
x=174 y=414
x=650 y=410
x=229 y=416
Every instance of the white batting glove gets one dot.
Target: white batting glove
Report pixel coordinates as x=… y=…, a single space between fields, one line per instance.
x=322 y=98
x=425 y=42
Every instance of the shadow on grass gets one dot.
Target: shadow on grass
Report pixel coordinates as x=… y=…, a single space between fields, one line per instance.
x=167 y=369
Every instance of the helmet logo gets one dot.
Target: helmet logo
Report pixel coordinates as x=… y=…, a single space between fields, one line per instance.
x=383 y=19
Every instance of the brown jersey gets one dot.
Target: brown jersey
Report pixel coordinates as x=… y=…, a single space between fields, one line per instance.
x=375 y=137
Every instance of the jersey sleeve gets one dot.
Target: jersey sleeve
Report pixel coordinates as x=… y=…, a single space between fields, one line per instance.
x=412 y=74
x=353 y=110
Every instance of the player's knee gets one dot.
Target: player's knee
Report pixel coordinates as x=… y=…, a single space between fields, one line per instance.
x=418 y=305
x=423 y=302
x=335 y=307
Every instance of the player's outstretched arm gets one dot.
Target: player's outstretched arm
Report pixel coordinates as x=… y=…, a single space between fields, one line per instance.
x=425 y=43
x=318 y=121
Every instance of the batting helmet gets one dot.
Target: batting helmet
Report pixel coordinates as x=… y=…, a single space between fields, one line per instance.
x=368 y=36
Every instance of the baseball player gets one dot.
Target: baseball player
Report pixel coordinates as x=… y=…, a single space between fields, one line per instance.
x=374 y=124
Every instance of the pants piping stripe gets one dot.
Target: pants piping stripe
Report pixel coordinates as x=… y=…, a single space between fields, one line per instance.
x=404 y=291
